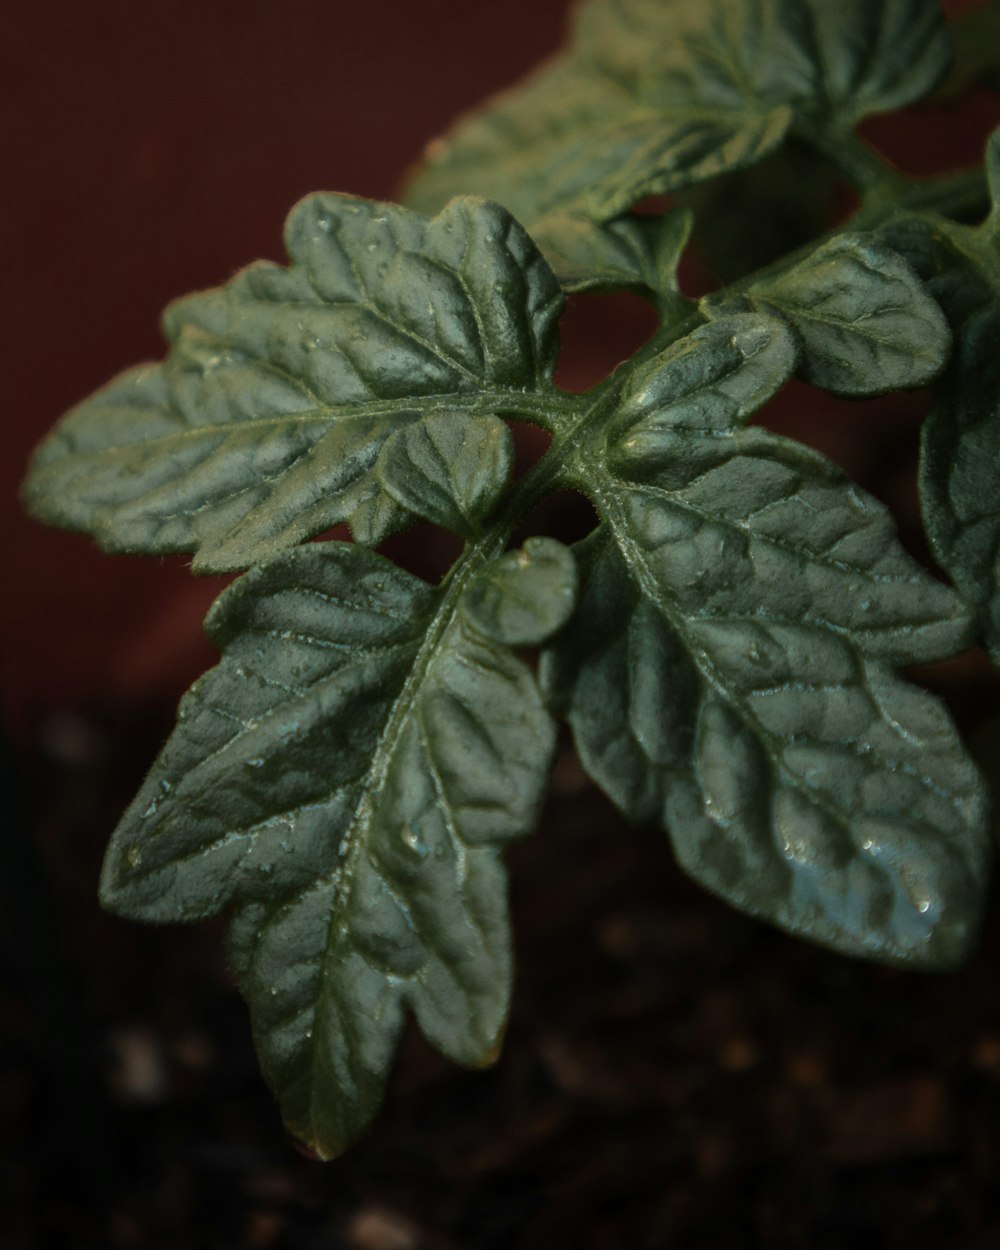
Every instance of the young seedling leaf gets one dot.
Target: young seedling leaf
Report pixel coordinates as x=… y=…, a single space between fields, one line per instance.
x=799 y=778
x=754 y=521
x=716 y=377
x=865 y=322
x=449 y=468
x=960 y=470
x=343 y=782
x=525 y=596
x=652 y=96
x=835 y=62
x=576 y=143
x=640 y=252
x=730 y=668
x=264 y=425
x=960 y=442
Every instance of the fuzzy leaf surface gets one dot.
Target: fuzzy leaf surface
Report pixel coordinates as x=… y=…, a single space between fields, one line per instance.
x=730 y=672
x=960 y=469
x=523 y=597
x=343 y=783
x=630 y=252
x=263 y=426
x=449 y=468
x=652 y=96
x=960 y=444
x=800 y=780
x=864 y=320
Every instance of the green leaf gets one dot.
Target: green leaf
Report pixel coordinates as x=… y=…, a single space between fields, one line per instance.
x=800 y=779
x=343 y=782
x=960 y=442
x=960 y=470
x=715 y=377
x=730 y=666
x=631 y=251
x=264 y=425
x=866 y=324
x=525 y=596
x=838 y=62
x=449 y=468
x=949 y=274
x=574 y=137
x=757 y=523
x=653 y=96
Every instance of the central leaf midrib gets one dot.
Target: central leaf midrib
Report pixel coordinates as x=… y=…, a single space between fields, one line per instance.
x=373 y=780
x=512 y=400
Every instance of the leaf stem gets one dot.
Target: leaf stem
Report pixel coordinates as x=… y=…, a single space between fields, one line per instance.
x=862 y=166
x=963 y=195
x=573 y=418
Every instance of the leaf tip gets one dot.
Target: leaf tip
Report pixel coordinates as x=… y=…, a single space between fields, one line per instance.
x=315 y=1151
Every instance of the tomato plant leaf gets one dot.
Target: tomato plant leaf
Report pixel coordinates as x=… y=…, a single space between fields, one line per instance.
x=960 y=470
x=840 y=62
x=344 y=781
x=717 y=376
x=727 y=644
x=730 y=667
x=757 y=522
x=632 y=251
x=525 y=596
x=799 y=778
x=865 y=322
x=652 y=96
x=264 y=425
x=449 y=468
x=960 y=440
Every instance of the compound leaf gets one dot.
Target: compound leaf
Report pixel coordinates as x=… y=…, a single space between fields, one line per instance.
x=263 y=426
x=960 y=470
x=960 y=442
x=864 y=320
x=729 y=669
x=344 y=782
x=652 y=96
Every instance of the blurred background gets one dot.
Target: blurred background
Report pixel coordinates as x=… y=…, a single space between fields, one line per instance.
x=674 y=1075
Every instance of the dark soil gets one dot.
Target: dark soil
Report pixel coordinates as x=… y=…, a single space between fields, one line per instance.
x=674 y=1075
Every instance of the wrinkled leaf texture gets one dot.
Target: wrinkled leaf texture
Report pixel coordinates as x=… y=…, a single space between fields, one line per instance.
x=725 y=645
x=264 y=425
x=730 y=672
x=652 y=96
x=865 y=324
x=343 y=783
x=960 y=441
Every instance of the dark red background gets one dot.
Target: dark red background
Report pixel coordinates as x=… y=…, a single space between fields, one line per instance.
x=151 y=148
